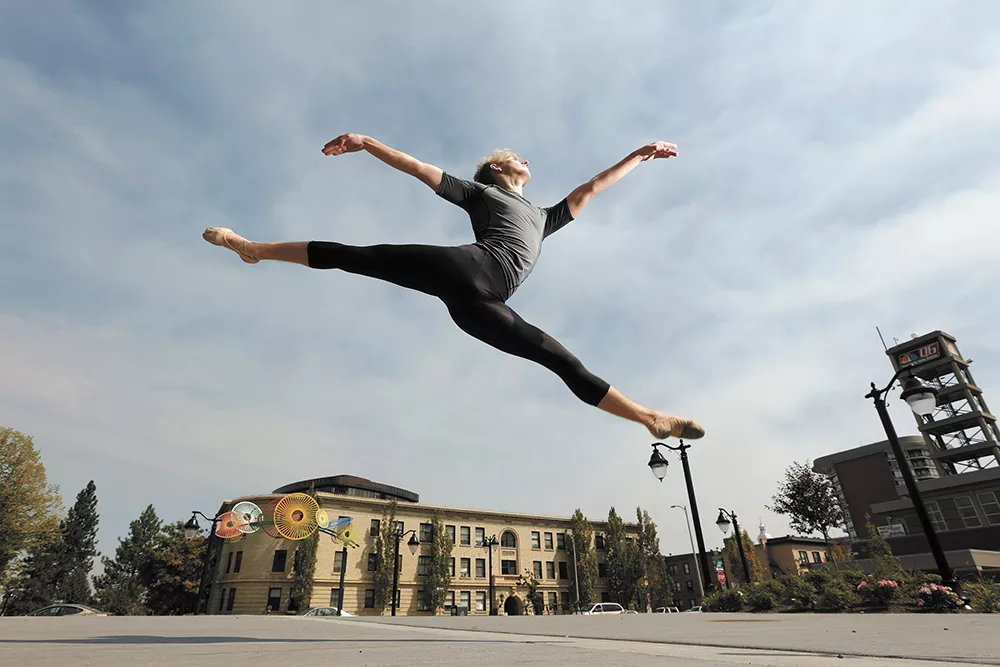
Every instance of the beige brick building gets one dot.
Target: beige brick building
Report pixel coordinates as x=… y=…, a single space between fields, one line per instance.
x=256 y=572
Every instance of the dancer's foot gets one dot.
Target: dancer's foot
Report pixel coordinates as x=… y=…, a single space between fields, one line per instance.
x=227 y=238
x=665 y=426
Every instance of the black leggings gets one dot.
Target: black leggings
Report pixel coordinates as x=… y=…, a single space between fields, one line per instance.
x=470 y=282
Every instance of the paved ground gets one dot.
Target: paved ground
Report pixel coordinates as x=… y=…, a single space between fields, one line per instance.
x=255 y=640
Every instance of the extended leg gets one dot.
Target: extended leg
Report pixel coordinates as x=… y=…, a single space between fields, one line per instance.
x=497 y=325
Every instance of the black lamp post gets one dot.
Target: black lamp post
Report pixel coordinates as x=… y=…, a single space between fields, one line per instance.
x=491 y=544
x=922 y=399
x=191 y=532
x=413 y=543
x=658 y=465
x=723 y=523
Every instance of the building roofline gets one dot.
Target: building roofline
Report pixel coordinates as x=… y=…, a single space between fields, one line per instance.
x=351 y=481
x=828 y=461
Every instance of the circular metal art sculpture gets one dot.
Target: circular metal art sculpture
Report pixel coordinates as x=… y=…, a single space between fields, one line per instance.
x=250 y=516
x=228 y=526
x=267 y=521
x=322 y=518
x=295 y=516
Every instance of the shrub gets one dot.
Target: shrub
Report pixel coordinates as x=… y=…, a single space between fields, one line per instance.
x=934 y=597
x=877 y=591
x=727 y=600
x=912 y=582
x=985 y=596
x=836 y=595
x=799 y=593
x=764 y=595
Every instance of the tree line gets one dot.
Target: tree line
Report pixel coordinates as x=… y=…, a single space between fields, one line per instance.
x=47 y=557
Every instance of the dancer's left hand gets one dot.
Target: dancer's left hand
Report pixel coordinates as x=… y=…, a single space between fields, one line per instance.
x=345 y=143
x=657 y=149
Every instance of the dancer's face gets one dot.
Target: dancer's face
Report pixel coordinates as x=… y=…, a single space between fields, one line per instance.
x=517 y=166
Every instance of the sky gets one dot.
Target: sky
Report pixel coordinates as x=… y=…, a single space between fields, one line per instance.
x=837 y=172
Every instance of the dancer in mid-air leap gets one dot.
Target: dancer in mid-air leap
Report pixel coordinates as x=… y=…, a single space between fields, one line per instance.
x=474 y=281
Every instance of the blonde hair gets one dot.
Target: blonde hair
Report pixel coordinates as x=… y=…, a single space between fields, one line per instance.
x=483 y=172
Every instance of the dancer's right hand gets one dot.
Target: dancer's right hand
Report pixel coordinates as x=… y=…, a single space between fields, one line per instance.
x=345 y=143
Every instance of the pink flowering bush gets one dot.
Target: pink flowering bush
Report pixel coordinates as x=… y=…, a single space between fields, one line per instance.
x=878 y=591
x=934 y=597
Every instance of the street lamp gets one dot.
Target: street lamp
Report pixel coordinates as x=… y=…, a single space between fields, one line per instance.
x=922 y=399
x=413 y=543
x=191 y=532
x=491 y=544
x=658 y=465
x=723 y=523
x=687 y=522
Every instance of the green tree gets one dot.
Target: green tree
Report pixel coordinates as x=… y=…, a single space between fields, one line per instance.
x=886 y=565
x=582 y=536
x=29 y=505
x=175 y=571
x=78 y=547
x=736 y=563
x=123 y=587
x=810 y=502
x=36 y=584
x=535 y=598
x=624 y=562
x=656 y=588
x=385 y=550
x=304 y=568
x=438 y=579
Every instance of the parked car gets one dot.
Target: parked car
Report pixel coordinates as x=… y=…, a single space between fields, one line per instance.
x=693 y=609
x=666 y=610
x=603 y=608
x=63 y=609
x=323 y=611
x=631 y=611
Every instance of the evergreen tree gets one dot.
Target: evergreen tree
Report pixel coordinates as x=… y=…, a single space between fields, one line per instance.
x=304 y=569
x=175 y=571
x=661 y=588
x=736 y=563
x=123 y=587
x=438 y=579
x=79 y=547
x=385 y=550
x=36 y=585
x=656 y=587
x=586 y=559
x=623 y=561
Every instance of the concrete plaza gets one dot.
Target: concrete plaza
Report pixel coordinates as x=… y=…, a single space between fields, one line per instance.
x=700 y=640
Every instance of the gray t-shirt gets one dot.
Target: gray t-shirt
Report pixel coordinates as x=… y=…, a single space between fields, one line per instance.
x=509 y=226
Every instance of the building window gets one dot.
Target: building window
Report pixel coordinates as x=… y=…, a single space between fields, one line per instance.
x=564 y=598
x=816 y=557
x=239 y=561
x=465 y=536
x=991 y=508
x=480 y=600
x=370 y=598
x=335 y=597
x=451 y=533
x=536 y=568
x=967 y=511
x=690 y=585
x=602 y=570
x=677 y=586
x=376 y=527
x=508 y=567
x=934 y=512
x=687 y=568
x=372 y=562
x=451 y=598
x=599 y=541
x=232 y=599
x=553 y=601
x=560 y=541
x=563 y=572
x=548 y=541
x=422 y=604
x=480 y=567
x=423 y=566
x=222 y=598
x=400 y=528
x=803 y=557
x=480 y=536
x=673 y=569
x=338 y=561
x=465 y=600
x=550 y=569
x=508 y=540
x=278 y=564
x=465 y=567
x=536 y=540
x=229 y=562
x=274 y=599
x=426 y=533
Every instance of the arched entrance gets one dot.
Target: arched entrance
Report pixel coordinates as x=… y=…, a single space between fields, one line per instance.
x=513 y=606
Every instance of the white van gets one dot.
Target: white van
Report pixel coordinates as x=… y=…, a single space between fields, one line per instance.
x=603 y=608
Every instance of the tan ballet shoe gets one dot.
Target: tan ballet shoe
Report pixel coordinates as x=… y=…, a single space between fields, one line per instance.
x=667 y=426
x=217 y=236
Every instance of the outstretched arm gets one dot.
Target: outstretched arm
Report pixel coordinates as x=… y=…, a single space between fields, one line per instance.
x=581 y=195
x=350 y=143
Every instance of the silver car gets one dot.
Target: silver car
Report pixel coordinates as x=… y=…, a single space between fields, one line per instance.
x=63 y=609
